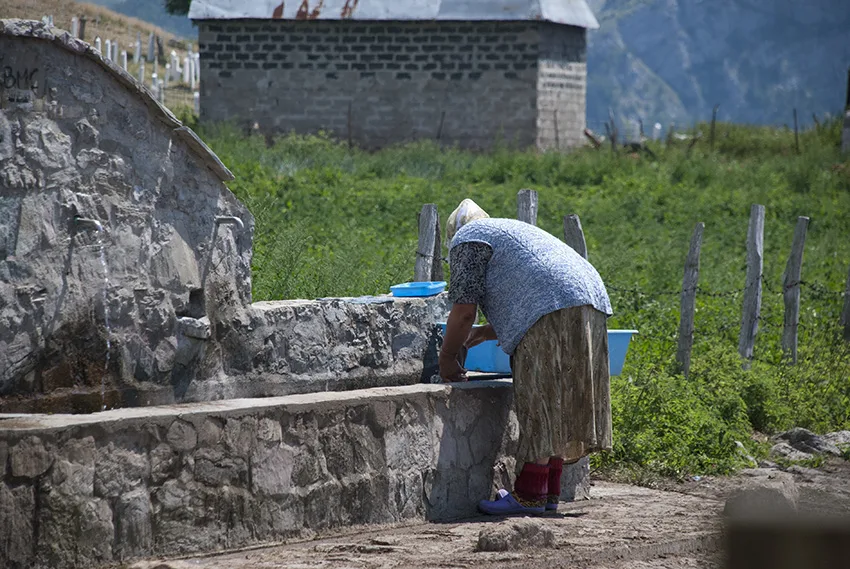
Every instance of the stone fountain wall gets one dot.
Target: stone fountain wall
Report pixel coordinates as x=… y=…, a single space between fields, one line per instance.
x=157 y=307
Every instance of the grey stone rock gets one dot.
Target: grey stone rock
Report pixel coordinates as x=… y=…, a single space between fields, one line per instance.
x=29 y=458
x=807 y=474
x=840 y=439
x=119 y=471
x=96 y=532
x=806 y=441
x=765 y=493
x=767 y=464
x=787 y=452
x=134 y=534
x=272 y=470
x=4 y=455
x=182 y=436
x=214 y=468
x=17 y=514
x=198 y=328
x=515 y=535
x=164 y=461
x=73 y=471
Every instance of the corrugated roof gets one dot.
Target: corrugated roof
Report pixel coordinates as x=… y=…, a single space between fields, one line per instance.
x=570 y=12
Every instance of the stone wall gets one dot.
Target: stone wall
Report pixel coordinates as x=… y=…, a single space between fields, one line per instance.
x=87 y=490
x=561 y=86
x=470 y=82
x=80 y=307
x=156 y=308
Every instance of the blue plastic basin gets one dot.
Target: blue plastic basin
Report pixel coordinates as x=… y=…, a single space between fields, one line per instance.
x=425 y=288
x=488 y=357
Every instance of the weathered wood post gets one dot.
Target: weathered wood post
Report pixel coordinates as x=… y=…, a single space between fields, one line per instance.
x=688 y=303
x=791 y=289
x=437 y=263
x=845 y=314
x=845 y=132
x=713 y=124
x=574 y=235
x=796 y=134
x=526 y=206
x=752 y=290
x=428 y=224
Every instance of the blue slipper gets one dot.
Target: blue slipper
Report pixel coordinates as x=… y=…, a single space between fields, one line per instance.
x=506 y=505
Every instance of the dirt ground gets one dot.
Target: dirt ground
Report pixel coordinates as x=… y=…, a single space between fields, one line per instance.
x=674 y=526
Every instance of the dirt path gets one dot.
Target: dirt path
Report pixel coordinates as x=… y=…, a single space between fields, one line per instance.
x=675 y=526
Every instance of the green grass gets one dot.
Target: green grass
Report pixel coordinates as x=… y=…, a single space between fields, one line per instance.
x=332 y=221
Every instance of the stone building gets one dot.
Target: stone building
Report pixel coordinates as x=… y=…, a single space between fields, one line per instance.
x=378 y=72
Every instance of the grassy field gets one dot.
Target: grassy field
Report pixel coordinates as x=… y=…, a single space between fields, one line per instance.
x=334 y=221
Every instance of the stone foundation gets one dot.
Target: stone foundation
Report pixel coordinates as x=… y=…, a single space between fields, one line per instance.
x=88 y=490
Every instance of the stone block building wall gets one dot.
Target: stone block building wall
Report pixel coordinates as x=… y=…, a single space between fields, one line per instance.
x=379 y=83
x=561 y=86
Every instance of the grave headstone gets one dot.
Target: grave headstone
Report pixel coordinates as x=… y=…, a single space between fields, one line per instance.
x=97 y=45
x=108 y=51
x=150 y=48
x=75 y=27
x=196 y=99
x=137 y=54
x=187 y=69
x=115 y=51
x=124 y=60
x=167 y=75
x=142 y=72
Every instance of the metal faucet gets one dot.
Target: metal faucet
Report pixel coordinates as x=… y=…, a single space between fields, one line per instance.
x=83 y=221
x=230 y=219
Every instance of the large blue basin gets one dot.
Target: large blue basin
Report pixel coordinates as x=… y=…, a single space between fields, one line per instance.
x=488 y=357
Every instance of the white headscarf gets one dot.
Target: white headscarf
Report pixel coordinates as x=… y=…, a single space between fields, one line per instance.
x=467 y=211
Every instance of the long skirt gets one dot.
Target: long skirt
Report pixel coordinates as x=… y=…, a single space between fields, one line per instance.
x=562 y=390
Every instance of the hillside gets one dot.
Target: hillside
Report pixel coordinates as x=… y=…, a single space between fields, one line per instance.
x=673 y=60
x=100 y=21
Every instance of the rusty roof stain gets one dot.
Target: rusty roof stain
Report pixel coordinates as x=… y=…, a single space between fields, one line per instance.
x=568 y=12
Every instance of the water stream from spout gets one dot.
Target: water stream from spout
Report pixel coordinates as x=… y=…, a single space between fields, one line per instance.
x=100 y=241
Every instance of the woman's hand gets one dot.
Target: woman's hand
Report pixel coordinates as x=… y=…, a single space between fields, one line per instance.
x=480 y=334
x=450 y=369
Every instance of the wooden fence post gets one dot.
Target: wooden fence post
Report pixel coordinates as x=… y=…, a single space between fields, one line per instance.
x=574 y=235
x=791 y=289
x=688 y=303
x=713 y=125
x=437 y=265
x=752 y=291
x=845 y=314
x=796 y=133
x=428 y=223
x=526 y=206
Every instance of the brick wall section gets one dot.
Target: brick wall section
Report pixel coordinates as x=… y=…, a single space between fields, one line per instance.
x=561 y=86
x=398 y=79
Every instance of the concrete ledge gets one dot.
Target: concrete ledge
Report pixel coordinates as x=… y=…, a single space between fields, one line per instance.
x=88 y=490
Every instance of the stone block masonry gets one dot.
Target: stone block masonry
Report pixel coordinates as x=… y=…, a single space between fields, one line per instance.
x=561 y=87
x=91 y=490
x=379 y=83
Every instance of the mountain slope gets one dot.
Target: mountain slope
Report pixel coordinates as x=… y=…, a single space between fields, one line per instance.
x=673 y=60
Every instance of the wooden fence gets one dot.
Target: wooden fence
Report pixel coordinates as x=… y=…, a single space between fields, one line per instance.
x=429 y=259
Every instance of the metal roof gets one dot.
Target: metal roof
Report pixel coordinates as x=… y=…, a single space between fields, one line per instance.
x=570 y=12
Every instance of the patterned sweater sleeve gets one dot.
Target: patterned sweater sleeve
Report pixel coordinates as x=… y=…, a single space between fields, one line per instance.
x=468 y=263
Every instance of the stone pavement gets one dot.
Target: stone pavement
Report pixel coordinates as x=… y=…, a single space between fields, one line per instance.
x=621 y=526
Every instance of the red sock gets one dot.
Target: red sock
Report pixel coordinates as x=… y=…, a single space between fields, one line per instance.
x=556 y=466
x=532 y=483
